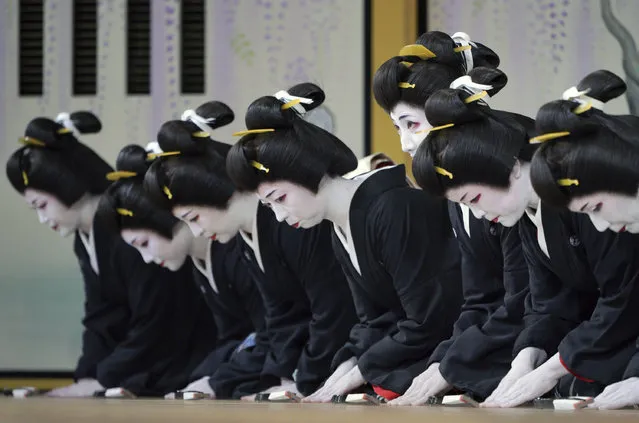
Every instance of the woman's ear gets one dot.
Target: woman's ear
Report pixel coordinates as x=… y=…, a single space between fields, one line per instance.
x=516 y=172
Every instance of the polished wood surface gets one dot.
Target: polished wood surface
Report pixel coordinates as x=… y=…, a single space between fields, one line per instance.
x=38 y=410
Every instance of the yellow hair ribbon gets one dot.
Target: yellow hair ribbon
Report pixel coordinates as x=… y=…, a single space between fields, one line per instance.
x=63 y=131
x=462 y=48
x=476 y=97
x=25 y=178
x=120 y=174
x=200 y=134
x=253 y=131
x=417 y=50
x=260 y=166
x=405 y=85
x=124 y=212
x=582 y=108
x=167 y=192
x=31 y=141
x=443 y=172
x=153 y=156
x=407 y=64
x=291 y=103
x=567 y=182
x=547 y=137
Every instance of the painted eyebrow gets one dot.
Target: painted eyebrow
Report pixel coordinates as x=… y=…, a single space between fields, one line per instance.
x=269 y=194
x=185 y=214
x=403 y=117
x=583 y=207
x=461 y=200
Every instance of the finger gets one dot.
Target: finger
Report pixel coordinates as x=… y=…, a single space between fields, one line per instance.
x=249 y=398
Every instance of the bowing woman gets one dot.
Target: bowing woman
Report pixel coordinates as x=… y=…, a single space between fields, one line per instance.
x=596 y=157
x=309 y=310
x=394 y=244
x=130 y=307
x=231 y=294
x=494 y=272
x=583 y=283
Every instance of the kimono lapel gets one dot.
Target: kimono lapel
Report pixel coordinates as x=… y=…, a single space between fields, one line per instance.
x=206 y=267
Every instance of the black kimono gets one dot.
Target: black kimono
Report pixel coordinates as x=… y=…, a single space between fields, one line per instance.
x=309 y=308
x=408 y=294
x=632 y=370
x=145 y=328
x=495 y=285
x=584 y=298
x=235 y=369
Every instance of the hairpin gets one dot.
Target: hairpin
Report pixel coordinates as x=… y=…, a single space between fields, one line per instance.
x=547 y=137
x=436 y=128
x=25 y=178
x=476 y=97
x=252 y=131
x=417 y=50
x=200 y=134
x=260 y=166
x=31 y=141
x=124 y=212
x=153 y=156
x=405 y=85
x=567 y=182
x=582 y=108
x=63 y=131
x=120 y=174
x=462 y=48
x=167 y=192
x=443 y=172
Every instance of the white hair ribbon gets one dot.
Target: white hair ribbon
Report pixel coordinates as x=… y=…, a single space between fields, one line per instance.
x=285 y=97
x=64 y=119
x=463 y=40
x=465 y=83
x=199 y=121
x=573 y=93
x=153 y=147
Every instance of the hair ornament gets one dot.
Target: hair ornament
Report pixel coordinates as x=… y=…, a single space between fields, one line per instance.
x=259 y=166
x=153 y=156
x=25 y=178
x=200 y=134
x=567 y=182
x=464 y=46
x=199 y=121
x=252 y=131
x=292 y=101
x=167 y=192
x=574 y=94
x=547 y=137
x=124 y=212
x=31 y=141
x=436 y=128
x=64 y=119
x=417 y=50
x=443 y=172
x=405 y=85
x=476 y=97
x=64 y=131
x=584 y=107
x=120 y=174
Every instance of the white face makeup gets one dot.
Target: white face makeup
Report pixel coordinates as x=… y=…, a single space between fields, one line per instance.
x=169 y=253
x=505 y=206
x=409 y=120
x=51 y=212
x=219 y=225
x=292 y=203
x=619 y=213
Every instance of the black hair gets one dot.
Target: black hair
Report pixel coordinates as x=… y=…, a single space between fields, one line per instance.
x=54 y=161
x=481 y=147
x=296 y=151
x=599 y=155
x=428 y=75
x=197 y=175
x=126 y=205
x=85 y=122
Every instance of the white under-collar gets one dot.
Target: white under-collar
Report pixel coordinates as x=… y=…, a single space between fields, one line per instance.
x=541 y=235
x=253 y=241
x=206 y=267
x=89 y=246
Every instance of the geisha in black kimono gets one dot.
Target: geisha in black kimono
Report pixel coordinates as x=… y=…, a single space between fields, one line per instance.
x=598 y=162
x=205 y=267
x=309 y=310
x=494 y=271
x=583 y=283
x=131 y=308
x=394 y=244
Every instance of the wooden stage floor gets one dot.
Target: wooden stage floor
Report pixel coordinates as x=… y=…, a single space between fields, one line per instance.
x=41 y=410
